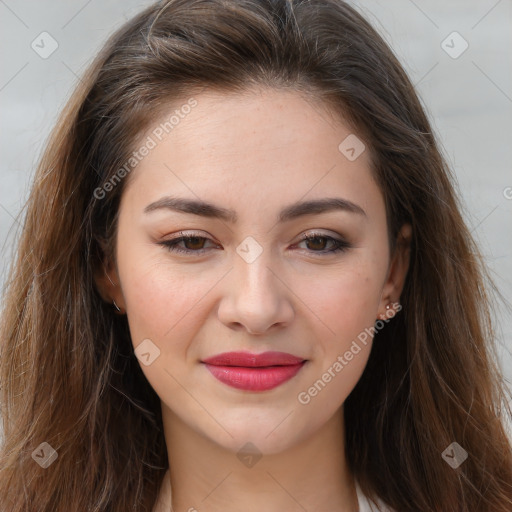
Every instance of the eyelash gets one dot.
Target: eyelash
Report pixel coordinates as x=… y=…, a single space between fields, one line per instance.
x=339 y=245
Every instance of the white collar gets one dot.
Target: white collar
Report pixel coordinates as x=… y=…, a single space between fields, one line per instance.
x=366 y=506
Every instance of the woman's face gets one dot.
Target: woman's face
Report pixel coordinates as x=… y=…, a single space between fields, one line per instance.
x=262 y=163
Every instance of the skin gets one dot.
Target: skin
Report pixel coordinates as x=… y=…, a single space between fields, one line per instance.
x=294 y=297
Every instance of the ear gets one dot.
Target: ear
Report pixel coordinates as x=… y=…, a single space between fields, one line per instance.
x=397 y=271
x=107 y=283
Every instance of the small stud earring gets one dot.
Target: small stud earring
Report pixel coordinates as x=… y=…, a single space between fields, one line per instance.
x=385 y=316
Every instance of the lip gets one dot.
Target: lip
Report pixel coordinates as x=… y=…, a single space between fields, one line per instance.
x=254 y=372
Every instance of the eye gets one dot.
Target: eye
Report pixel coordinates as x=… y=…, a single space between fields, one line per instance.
x=317 y=242
x=193 y=244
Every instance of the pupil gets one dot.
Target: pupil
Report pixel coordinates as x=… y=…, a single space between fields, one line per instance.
x=316 y=239
x=194 y=240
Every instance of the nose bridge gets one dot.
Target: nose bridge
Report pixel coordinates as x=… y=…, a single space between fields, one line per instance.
x=256 y=298
x=252 y=269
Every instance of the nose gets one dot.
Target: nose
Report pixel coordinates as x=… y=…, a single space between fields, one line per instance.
x=255 y=298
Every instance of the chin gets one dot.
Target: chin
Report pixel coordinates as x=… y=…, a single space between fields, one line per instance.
x=268 y=436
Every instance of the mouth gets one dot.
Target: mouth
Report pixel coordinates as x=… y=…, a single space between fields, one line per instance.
x=254 y=372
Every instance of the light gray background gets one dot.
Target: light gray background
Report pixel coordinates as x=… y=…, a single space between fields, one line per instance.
x=468 y=99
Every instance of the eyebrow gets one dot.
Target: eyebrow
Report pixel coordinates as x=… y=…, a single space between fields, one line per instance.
x=293 y=211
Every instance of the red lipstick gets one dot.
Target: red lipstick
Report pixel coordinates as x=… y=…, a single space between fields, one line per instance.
x=254 y=372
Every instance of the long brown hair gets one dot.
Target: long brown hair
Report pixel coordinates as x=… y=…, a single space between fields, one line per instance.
x=69 y=376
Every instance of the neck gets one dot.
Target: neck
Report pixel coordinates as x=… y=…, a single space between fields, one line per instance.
x=311 y=475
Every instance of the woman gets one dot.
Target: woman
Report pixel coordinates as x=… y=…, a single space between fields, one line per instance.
x=244 y=282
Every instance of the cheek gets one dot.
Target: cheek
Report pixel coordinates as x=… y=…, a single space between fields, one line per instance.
x=344 y=300
x=346 y=307
x=164 y=306
x=161 y=301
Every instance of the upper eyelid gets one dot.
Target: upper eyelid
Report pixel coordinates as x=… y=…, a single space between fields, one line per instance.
x=306 y=234
x=190 y=234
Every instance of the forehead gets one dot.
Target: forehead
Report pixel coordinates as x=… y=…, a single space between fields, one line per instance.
x=267 y=142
